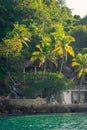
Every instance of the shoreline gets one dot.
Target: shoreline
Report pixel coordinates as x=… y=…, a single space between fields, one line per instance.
x=20 y=115
x=31 y=107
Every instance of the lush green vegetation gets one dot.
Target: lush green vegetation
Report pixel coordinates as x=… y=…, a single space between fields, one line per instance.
x=46 y=36
x=45 y=84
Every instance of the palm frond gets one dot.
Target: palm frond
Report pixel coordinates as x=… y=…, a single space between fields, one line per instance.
x=53 y=60
x=80 y=73
x=33 y=58
x=70 y=50
x=85 y=70
x=42 y=61
x=39 y=47
x=75 y=64
x=36 y=53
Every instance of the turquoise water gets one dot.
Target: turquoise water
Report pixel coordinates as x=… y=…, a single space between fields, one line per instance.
x=45 y=122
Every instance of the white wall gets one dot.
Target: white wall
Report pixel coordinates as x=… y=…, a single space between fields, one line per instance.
x=66 y=99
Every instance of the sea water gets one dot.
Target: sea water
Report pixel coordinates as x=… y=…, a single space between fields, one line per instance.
x=67 y=121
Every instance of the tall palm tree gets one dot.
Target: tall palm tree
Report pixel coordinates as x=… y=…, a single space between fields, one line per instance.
x=44 y=53
x=63 y=48
x=80 y=62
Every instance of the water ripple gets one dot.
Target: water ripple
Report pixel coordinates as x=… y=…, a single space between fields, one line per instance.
x=69 y=121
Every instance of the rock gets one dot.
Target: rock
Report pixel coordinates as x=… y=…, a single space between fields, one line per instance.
x=37 y=106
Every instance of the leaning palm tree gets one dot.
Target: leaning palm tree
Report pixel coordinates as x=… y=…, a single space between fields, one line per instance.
x=63 y=48
x=80 y=62
x=44 y=53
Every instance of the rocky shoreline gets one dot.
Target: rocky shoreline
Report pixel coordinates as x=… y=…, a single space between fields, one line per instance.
x=37 y=106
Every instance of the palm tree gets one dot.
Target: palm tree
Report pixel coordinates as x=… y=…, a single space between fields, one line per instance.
x=44 y=53
x=80 y=62
x=63 y=48
x=22 y=32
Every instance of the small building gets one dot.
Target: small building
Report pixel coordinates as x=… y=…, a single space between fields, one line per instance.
x=76 y=95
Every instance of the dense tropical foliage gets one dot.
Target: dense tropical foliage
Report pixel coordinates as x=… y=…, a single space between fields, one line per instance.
x=41 y=35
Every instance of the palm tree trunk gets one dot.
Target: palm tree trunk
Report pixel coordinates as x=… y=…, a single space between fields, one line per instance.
x=79 y=90
x=35 y=69
x=44 y=67
x=61 y=68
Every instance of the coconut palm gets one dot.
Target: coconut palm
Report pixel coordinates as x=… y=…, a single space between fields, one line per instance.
x=63 y=48
x=44 y=53
x=80 y=62
x=22 y=32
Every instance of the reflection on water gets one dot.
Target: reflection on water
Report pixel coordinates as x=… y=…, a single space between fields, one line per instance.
x=45 y=122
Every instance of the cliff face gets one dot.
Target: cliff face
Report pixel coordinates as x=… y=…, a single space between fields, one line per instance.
x=36 y=106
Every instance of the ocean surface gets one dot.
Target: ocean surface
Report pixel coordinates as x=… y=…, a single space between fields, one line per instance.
x=67 y=121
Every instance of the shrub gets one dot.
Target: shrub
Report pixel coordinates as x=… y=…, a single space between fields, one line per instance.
x=41 y=81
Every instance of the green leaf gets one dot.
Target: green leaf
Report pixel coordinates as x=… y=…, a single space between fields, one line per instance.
x=36 y=53
x=75 y=64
